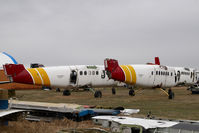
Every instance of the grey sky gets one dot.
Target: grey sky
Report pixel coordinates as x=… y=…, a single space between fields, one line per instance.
x=66 y=32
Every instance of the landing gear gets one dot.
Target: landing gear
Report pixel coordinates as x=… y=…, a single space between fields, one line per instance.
x=98 y=94
x=58 y=90
x=66 y=93
x=131 y=92
x=171 y=94
x=113 y=91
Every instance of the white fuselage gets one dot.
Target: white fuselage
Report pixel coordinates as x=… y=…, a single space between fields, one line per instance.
x=157 y=76
x=72 y=76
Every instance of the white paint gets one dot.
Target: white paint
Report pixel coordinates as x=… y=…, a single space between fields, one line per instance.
x=4 y=59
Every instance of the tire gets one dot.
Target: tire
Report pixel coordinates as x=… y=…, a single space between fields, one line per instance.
x=66 y=93
x=131 y=92
x=113 y=91
x=171 y=94
x=98 y=94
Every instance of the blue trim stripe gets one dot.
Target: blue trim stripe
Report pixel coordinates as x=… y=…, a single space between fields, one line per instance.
x=14 y=61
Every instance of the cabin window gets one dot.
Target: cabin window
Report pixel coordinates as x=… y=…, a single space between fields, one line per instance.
x=81 y=73
x=171 y=74
x=93 y=72
x=85 y=72
x=159 y=72
x=152 y=73
x=97 y=73
x=89 y=72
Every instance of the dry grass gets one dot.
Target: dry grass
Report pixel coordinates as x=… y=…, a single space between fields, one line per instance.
x=184 y=106
x=24 y=126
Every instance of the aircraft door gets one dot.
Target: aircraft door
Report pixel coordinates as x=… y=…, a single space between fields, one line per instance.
x=73 y=77
x=153 y=73
x=157 y=78
x=103 y=74
x=194 y=76
x=178 y=76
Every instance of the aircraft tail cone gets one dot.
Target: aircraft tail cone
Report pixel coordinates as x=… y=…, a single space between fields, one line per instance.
x=17 y=73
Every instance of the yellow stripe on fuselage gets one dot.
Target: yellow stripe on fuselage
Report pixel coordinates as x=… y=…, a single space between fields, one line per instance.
x=36 y=76
x=44 y=76
x=133 y=74
x=127 y=74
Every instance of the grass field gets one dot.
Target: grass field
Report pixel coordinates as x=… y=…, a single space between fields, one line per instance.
x=183 y=106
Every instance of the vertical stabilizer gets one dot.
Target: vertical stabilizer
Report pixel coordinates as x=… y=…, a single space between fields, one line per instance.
x=157 y=61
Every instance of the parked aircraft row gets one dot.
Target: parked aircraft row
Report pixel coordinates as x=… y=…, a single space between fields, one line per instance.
x=145 y=76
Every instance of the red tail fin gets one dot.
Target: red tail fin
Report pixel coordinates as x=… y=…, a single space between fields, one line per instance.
x=157 y=61
x=113 y=70
x=17 y=73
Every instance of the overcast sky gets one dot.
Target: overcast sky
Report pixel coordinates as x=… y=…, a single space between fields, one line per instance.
x=67 y=32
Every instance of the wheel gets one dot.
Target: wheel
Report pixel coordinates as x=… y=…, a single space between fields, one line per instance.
x=98 y=94
x=66 y=93
x=113 y=91
x=57 y=90
x=131 y=92
x=171 y=94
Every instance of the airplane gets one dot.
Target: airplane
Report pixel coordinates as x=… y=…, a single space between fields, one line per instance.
x=68 y=77
x=150 y=75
